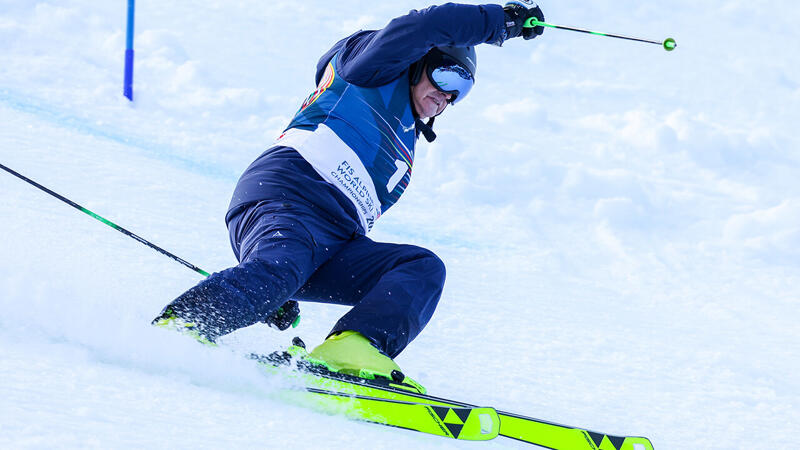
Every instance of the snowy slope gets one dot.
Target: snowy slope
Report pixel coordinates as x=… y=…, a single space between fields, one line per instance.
x=620 y=225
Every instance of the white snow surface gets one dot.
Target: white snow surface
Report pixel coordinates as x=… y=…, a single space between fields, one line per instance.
x=621 y=225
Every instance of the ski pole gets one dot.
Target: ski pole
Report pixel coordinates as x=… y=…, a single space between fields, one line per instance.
x=105 y=221
x=669 y=44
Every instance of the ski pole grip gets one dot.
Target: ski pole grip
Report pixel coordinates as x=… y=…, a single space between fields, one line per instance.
x=532 y=22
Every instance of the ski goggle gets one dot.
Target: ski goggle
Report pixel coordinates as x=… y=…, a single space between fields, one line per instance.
x=450 y=77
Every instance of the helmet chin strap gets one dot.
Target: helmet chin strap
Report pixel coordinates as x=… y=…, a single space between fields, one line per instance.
x=425 y=128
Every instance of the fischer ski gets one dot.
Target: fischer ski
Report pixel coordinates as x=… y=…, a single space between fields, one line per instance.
x=406 y=405
x=463 y=423
x=526 y=429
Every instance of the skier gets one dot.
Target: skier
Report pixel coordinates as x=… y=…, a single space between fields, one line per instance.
x=300 y=213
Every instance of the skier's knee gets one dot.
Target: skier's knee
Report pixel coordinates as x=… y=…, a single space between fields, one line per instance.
x=433 y=266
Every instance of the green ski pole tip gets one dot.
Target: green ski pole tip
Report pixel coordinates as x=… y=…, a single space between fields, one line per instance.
x=670 y=44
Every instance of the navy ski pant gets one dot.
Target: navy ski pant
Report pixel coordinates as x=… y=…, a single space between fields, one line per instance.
x=288 y=250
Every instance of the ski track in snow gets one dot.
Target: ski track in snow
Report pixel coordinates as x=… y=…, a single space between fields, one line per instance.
x=621 y=234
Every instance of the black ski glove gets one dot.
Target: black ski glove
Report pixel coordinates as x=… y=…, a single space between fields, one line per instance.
x=285 y=316
x=517 y=13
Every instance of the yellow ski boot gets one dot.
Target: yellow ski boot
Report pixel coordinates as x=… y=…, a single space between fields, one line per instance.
x=351 y=353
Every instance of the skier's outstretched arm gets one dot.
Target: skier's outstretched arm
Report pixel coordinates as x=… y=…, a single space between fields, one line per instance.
x=375 y=58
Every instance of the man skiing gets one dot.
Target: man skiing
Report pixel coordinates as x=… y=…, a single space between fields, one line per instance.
x=300 y=213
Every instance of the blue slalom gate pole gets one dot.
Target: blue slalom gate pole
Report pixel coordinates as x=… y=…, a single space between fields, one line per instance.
x=127 y=88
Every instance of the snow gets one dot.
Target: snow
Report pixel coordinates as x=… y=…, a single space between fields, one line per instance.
x=621 y=225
